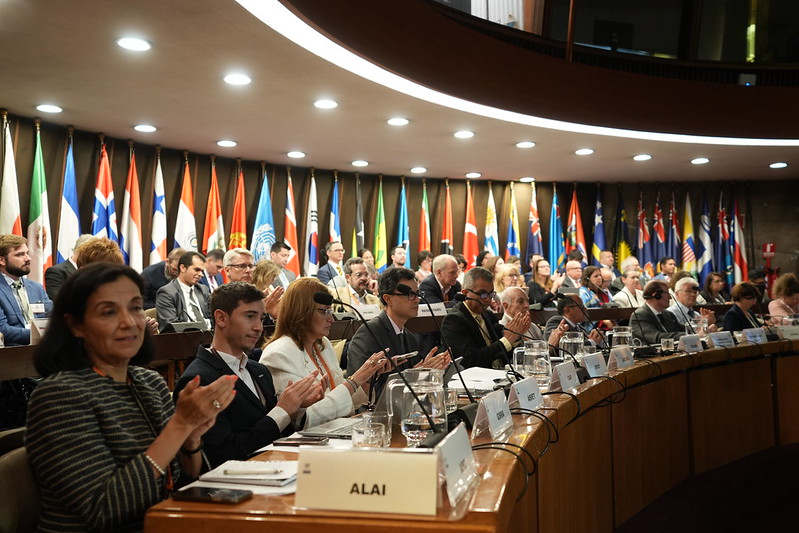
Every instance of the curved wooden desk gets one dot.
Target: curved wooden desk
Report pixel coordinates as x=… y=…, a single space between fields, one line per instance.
x=680 y=416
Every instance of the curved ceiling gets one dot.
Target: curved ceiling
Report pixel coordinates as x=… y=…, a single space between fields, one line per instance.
x=65 y=53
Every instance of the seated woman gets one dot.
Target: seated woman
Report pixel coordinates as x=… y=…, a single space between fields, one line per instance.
x=786 y=298
x=103 y=436
x=591 y=291
x=97 y=250
x=508 y=277
x=714 y=293
x=300 y=346
x=542 y=287
x=744 y=297
x=425 y=262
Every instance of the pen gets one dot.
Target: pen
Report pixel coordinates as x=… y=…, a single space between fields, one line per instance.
x=270 y=471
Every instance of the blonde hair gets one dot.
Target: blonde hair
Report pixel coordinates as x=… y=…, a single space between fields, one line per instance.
x=265 y=273
x=505 y=270
x=297 y=307
x=98 y=250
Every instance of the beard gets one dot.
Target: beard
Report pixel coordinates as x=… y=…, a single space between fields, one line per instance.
x=18 y=271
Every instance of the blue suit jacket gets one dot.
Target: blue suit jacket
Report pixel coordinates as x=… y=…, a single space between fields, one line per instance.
x=218 y=278
x=12 y=326
x=326 y=273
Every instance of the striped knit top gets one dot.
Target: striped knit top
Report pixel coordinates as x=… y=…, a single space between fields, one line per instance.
x=86 y=436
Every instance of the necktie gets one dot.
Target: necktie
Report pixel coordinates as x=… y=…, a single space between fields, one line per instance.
x=662 y=322
x=483 y=331
x=212 y=283
x=338 y=269
x=401 y=338
x=691 y=313
x=22 y=296
x=198 y=315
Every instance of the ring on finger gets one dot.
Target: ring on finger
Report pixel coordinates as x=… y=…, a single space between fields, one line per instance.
x=216 y=404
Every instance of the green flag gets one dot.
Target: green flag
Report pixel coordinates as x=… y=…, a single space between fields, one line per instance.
x=381 y=242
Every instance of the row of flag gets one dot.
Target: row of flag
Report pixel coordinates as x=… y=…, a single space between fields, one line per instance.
x=719 y=245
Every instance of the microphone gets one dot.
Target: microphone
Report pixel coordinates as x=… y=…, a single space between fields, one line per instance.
x=462 y=298
x=770 y=336
x=333 y=280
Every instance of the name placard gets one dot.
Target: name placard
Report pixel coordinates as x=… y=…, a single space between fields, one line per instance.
x=620 y=358
x=722 y=339
x=369 y=311
x=595 y=365
x=789 y=332
x=566 y=376
x=690 y=344
x=526 y=393
x=38 y=328
x=493 y=414
x=439 y=309
x=460 y=468
x=386 y=481
x=754 y=336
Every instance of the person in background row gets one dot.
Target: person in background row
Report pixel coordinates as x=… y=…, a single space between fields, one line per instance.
x=103 y=437
x=367 y=256
x=212 y=277
x=514 y=261
x=425 y=262
x=606 y=260
x=629 y=263
x=184 y=299
x=714 y=293
x=514 y=302
x=334 y=268
x=493 y=264
x=543 y=286
x=574 y=275
x=508 y=276
x=159 y=274
x=442 y=285
x=239 y=265
x=98 y=250
x=280 y=254
x=263 y=277
x=21 y=299
x=745 y=296
x=355 y=290
x=652 y=322
x=667 y=266
x=631 y=295
x=591 y=288
x=685 y=293
x=531 y=263
x=397 y=257
x=786 y=298
x=463 y=265
x=56 y=275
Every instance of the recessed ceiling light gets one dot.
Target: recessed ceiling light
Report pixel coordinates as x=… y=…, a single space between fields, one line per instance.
x=473 y=175
x=700 y=161
x=326 y=104
x=226 y=144
x=525 y=144
x=49 y=108
x=527 y=179
x=398 y=121
x=418 y=170
x=134 y=43
x=463 y=134
x=778 y=165
x=360 y=163
x=584 y=151
x=145 y=128
x=237 y=78
x=296 y=154
x=642 y=157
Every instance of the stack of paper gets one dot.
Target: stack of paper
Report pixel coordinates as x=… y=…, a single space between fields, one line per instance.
x=269 y=473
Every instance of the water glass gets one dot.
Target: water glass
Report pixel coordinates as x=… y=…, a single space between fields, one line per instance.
x=451 y=400
x=666 y=345
x=368 y=435
x=571 y=344
x=380 y=418
x=621 y=336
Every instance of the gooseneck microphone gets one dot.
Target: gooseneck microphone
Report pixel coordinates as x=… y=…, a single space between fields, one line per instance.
x=770 y=336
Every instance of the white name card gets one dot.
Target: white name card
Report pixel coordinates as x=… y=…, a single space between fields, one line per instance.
x=566 y=377
x=526 y=393
x=690 y=344
x=37 y=307
x=789 y=332
x=595 y=365
x=38 y=328
x=369 y=311
x=620 y=358
x=722 y=339
x=439 y=309
x=493 y=414
x=460 y=468
x=386 y=481
x=754 y=336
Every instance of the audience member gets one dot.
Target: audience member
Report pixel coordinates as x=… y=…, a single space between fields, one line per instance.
x=21 y=299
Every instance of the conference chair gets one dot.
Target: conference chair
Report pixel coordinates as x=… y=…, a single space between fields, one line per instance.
x=11 y=439
x=19 y=495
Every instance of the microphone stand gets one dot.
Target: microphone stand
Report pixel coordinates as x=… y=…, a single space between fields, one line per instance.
x=770 y=336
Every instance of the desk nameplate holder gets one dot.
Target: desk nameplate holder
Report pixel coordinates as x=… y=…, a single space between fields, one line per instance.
x=595 y=365
x=493 y=415
x=527 y=394
x=788 y=332
x=721 y=339
x=459 y=466
x=564 y=377
x=38 y=327
x=753 y=336
x=620 y=358
x=369 y=311
x=386 y=480
x=439 y=309
x=690 y=344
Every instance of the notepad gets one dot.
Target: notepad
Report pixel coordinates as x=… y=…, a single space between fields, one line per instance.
x=267 y=473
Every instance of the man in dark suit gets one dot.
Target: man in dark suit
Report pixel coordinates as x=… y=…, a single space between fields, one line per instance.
x=21 y=299
x=184 y=299
x=652 y=322
x=470 y=330
x=570 y=317
x=212 y=277
x=56 y=275
x=574 y=273
x=442 y=285
x=158 y=274
x=280 y=255
x=256 y=417
x=335 y=263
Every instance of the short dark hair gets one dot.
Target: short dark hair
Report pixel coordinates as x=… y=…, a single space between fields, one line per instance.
x=475 y=274
x=330 y=244
x=424 y=254
x=187 y=259
x=461 y=260
x=586 y=277
x=481 y=257
x=216 y=253
x=351 y=261
x=575 y=255
x=665 y=259
x=389 y=279
x=363 y=251
x=742 y=291
x=655 y=286
x=280 y=245
x=227 y=297
x=59 y=349
x=563 y=303
x=394 y=249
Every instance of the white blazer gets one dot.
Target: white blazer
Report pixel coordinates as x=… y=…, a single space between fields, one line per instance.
x=287 y=362
x=626 y=299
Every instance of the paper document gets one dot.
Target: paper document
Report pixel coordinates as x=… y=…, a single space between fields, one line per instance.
x=268 y=473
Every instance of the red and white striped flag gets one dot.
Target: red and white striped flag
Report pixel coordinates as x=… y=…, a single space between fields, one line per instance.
x=290 y=233
x=10 y=221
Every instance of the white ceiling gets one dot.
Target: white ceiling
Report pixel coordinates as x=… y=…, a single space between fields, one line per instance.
x=64 y=52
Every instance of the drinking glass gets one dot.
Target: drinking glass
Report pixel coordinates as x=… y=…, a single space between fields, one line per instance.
x=368 y=435
x=621 y=335
x=537 y=363
x=572 y=344
x=380 y=418
x=428 y=385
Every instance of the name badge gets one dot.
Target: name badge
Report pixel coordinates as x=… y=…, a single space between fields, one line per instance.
x=460 y=468
x=595 y=365
x=37 y=307
x=722 y=339
x=494 y=415
x=439 y=309
x=385 y=481
x=690 y=344
x=526 y=393
x=754 y=336
x=620 y=358
x=789 y=332
x=567 y=376
x=369 y=311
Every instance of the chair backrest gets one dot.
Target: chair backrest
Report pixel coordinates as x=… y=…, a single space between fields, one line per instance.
x=19 y=494
x=11 y=439
x=151 y=313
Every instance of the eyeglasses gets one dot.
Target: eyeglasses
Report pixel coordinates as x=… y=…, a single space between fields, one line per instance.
x=483 y=295
x=360 y=274
x=327 y=312
x=243 y=266
x=411 y=295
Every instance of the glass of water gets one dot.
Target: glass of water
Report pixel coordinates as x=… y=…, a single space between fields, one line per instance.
x=537 y=363
x=571 y=344
x=621 y=335
x=368 y=435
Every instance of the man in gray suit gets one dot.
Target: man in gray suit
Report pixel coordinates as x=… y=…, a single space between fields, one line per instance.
x=184 y=299
x=280 y=255
x=56 y=275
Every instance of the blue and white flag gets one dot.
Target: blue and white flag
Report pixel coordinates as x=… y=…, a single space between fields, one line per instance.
x=557 y=247
x=403 y=230
x=704 y=250
x=264 y=233
x=335 y=227
x=69 y=215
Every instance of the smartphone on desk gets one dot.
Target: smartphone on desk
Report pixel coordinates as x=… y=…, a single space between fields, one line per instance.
x=301 y=441
x=207 y=494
